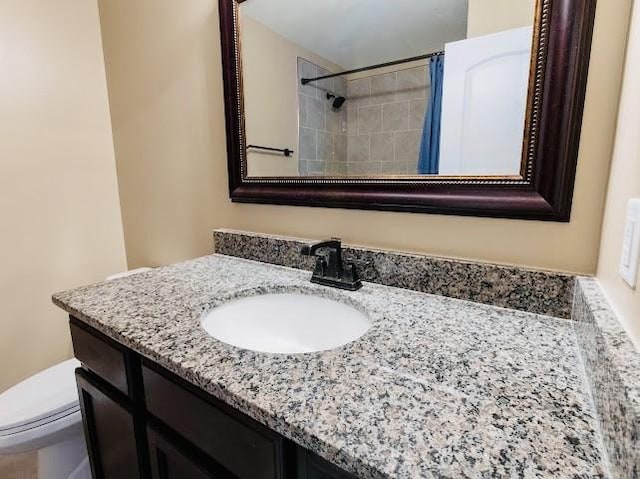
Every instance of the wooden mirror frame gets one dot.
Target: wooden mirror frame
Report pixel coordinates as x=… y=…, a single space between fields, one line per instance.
x=543 y=191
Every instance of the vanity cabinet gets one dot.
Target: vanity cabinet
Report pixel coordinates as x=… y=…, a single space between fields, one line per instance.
x=142 y=421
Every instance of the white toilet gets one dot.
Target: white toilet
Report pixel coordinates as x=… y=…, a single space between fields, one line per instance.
x=42 y=413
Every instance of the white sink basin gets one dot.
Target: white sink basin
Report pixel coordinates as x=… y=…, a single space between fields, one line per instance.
x=286 y=323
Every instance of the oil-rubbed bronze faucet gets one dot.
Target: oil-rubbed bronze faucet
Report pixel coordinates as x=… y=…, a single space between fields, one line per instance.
x=330 y=270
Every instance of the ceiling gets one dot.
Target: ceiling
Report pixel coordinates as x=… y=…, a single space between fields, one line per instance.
x=358 y=33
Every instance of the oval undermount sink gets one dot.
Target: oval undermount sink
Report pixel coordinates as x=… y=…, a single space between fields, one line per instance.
x=286 y=323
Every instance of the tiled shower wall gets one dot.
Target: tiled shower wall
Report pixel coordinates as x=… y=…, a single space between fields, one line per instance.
x=322 y=129
x=385 y=117
x=378 y=130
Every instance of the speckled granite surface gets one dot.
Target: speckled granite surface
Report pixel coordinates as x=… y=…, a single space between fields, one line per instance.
x=613 y=371
x=438 y=387
x=528 y=290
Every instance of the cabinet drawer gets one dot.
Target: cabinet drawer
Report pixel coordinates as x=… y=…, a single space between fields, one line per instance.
x=242 y=446
x=101 y=355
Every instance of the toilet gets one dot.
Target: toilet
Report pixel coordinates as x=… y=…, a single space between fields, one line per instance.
x=42 y=413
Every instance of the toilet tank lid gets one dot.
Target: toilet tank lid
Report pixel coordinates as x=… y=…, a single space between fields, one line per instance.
x=48 y=393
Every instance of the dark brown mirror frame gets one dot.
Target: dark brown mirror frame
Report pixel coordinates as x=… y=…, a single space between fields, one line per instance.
x=543 y=191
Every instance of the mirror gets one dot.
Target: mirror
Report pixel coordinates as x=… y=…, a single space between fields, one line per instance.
x=462 y=107
x=380 y=88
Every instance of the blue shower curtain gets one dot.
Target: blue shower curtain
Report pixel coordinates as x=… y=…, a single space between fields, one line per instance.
x=429 y=160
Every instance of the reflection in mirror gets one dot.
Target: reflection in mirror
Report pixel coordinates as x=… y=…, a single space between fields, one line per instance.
x=350 y=88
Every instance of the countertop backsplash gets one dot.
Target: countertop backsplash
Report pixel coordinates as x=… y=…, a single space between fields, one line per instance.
x=534 y=291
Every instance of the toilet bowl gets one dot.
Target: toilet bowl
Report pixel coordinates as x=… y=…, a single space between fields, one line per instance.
x=42 y=414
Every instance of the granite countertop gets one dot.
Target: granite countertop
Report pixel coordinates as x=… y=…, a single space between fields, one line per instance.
x=438 y=387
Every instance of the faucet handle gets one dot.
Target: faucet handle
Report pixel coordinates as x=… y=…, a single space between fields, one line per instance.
x=351 y=273
x=320 y=269
x=310 y=249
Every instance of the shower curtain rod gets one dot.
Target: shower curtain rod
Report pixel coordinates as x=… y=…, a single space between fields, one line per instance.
x=306 y=81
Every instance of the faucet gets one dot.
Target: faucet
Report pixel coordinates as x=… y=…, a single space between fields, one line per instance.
x=330 y=269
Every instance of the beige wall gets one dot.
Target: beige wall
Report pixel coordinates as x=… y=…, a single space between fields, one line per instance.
x=163 y=67
x=59 y=206
x=624 y=184
x=271 y=90
x=493 y=16
x=164 y=77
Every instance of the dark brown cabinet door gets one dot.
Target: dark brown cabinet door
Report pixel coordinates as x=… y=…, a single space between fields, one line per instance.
x=169 y=461
x=311 y=466
x=109 y=431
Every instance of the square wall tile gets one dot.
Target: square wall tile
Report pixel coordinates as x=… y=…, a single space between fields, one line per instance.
x=382 y=146
x=383 y=89
x=412 y=84
x=369 y=119
x=358 y=148
x=359 y=92
x=407 y=146
x=395 y=117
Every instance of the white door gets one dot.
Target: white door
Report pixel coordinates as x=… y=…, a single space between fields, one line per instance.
x=484 y=103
